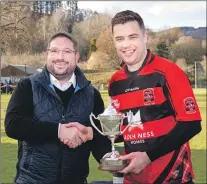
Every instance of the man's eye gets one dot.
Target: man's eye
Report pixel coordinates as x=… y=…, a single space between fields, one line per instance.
x=133 y=37
x=53 y=51
x=67 y=51
x=119 y=39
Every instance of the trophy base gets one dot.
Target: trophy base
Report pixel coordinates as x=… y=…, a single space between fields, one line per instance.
x=109 y=164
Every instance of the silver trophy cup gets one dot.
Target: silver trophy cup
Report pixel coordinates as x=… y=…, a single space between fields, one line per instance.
x=110 y=127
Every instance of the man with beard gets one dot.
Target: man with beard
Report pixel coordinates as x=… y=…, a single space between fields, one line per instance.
x=40 y=113
x=166 y=115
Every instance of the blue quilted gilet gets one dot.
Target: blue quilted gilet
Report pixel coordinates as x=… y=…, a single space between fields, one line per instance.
x=52 y=162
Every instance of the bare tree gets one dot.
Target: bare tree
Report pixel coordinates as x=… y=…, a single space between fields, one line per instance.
x=169 y=36
x=14 y=16
x=89 y=29
x=190 y=52
x=105 y=44
x=184 y=39
x=182 y=64
x=92 y=27
x=152 y=43
x=203 y=44
x=203 y=62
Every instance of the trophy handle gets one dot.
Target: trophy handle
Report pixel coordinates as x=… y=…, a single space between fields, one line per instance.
x=91 y=119
x=130 y=115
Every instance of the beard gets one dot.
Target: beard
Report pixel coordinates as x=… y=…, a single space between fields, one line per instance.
x=61 y=75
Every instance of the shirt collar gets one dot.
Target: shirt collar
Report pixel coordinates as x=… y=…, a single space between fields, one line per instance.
x=73 y=80
x=55 y=82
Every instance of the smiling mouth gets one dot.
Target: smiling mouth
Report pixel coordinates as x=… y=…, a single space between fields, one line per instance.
x=128 y=52
x=60 y=63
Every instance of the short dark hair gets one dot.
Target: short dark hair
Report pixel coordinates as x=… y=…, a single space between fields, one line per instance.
x=127 y=16
x=66 y=35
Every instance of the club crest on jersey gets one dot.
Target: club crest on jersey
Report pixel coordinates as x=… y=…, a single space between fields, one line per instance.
x=149 y=96
x=189 y=105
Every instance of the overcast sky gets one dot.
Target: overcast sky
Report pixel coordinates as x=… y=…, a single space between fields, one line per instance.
x=157 y=15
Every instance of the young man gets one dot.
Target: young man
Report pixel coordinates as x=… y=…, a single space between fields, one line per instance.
x=39 y=115
x=166 y=115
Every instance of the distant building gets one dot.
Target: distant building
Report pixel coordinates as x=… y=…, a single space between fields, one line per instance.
x=15 y=72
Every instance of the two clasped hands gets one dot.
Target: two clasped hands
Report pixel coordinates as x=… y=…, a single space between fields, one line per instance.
x=74 y=134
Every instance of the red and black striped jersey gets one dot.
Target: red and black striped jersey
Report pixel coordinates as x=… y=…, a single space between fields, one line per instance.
x=159 y=94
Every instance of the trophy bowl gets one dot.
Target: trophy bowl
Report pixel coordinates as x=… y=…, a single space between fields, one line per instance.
x=110 y=127
x=110 y=124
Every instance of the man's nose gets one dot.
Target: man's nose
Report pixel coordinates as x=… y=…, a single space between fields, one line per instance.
x=60 y=55
x=125 y=44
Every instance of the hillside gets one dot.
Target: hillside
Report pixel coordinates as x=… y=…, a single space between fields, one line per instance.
x=196 y=33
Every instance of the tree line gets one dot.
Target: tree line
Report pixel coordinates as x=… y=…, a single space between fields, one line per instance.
x=27 y=26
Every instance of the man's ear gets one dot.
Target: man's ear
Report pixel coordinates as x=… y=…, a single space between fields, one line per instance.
x=77 y=56
x=145 y=37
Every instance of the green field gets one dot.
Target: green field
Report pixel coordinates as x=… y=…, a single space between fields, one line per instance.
x=198 y=146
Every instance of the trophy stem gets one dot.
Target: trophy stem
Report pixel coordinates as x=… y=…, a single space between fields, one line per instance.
x=113 y=147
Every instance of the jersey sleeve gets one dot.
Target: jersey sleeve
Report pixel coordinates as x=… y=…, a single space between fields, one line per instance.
x=181 y=95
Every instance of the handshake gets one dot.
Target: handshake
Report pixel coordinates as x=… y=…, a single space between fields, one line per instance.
x=74 y=134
